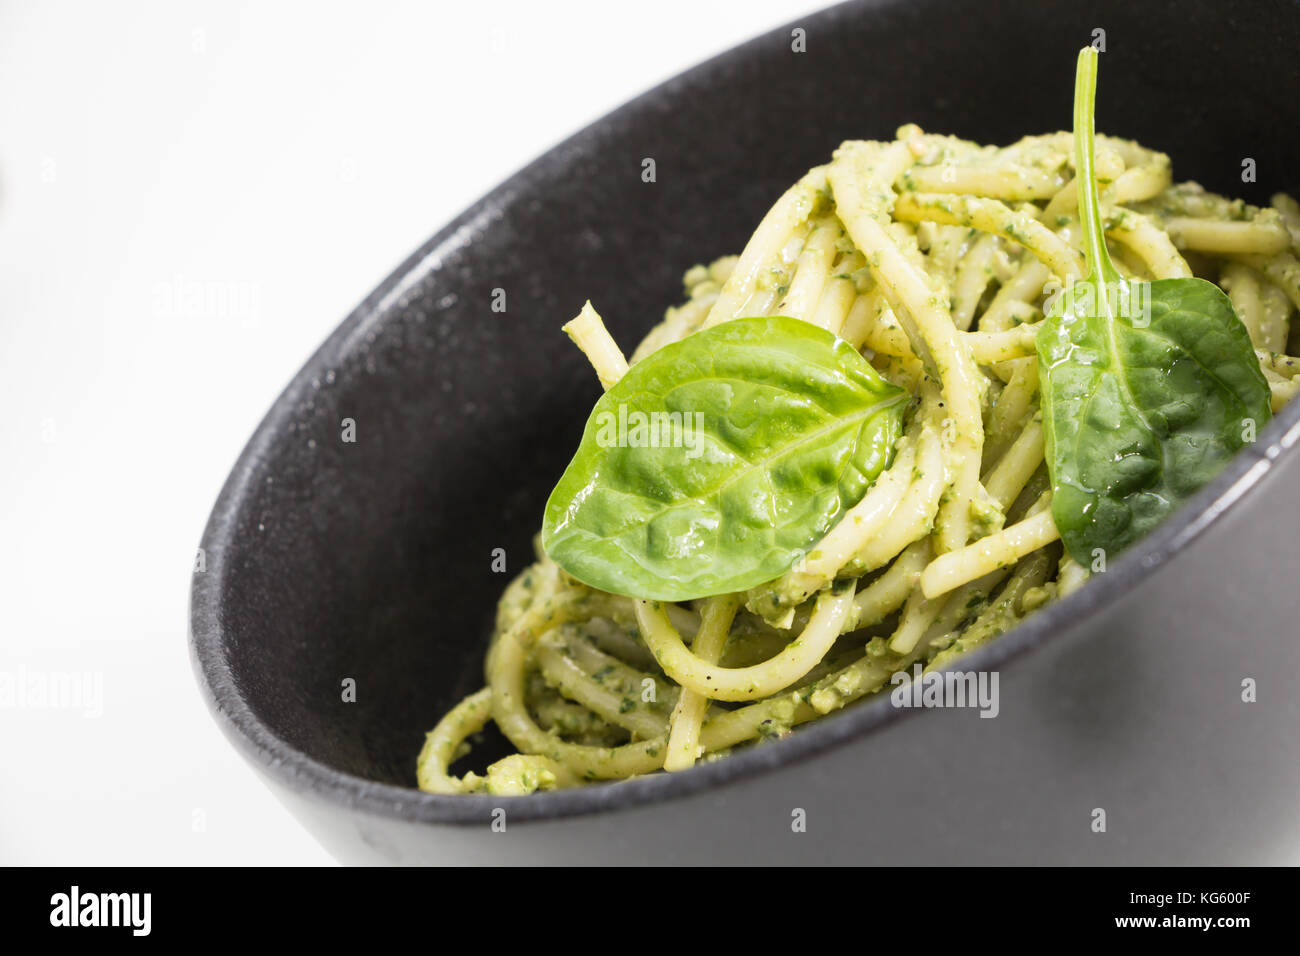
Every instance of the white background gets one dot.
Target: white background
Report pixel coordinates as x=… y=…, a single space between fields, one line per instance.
x=192 y=195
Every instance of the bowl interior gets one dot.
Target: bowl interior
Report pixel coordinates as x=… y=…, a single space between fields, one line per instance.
x=372 y=560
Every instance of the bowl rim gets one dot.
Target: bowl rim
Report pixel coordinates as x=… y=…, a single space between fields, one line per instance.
x=278 y=759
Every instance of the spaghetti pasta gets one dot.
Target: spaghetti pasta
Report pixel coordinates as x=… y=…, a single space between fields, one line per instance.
x=936 y=258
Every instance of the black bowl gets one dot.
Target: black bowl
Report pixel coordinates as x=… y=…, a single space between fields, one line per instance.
x=371 y=560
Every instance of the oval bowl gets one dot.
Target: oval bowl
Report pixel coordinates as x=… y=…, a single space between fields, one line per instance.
x=372 y=560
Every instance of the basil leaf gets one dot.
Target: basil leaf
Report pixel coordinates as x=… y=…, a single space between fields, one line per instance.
x=1138 y=419
x=1148 y=389
x=717 y=461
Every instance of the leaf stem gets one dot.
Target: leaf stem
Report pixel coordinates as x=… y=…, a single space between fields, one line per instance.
x=1085 y=98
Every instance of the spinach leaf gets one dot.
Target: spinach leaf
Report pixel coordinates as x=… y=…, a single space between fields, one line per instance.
x=1148 y=388
x=717 y=461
